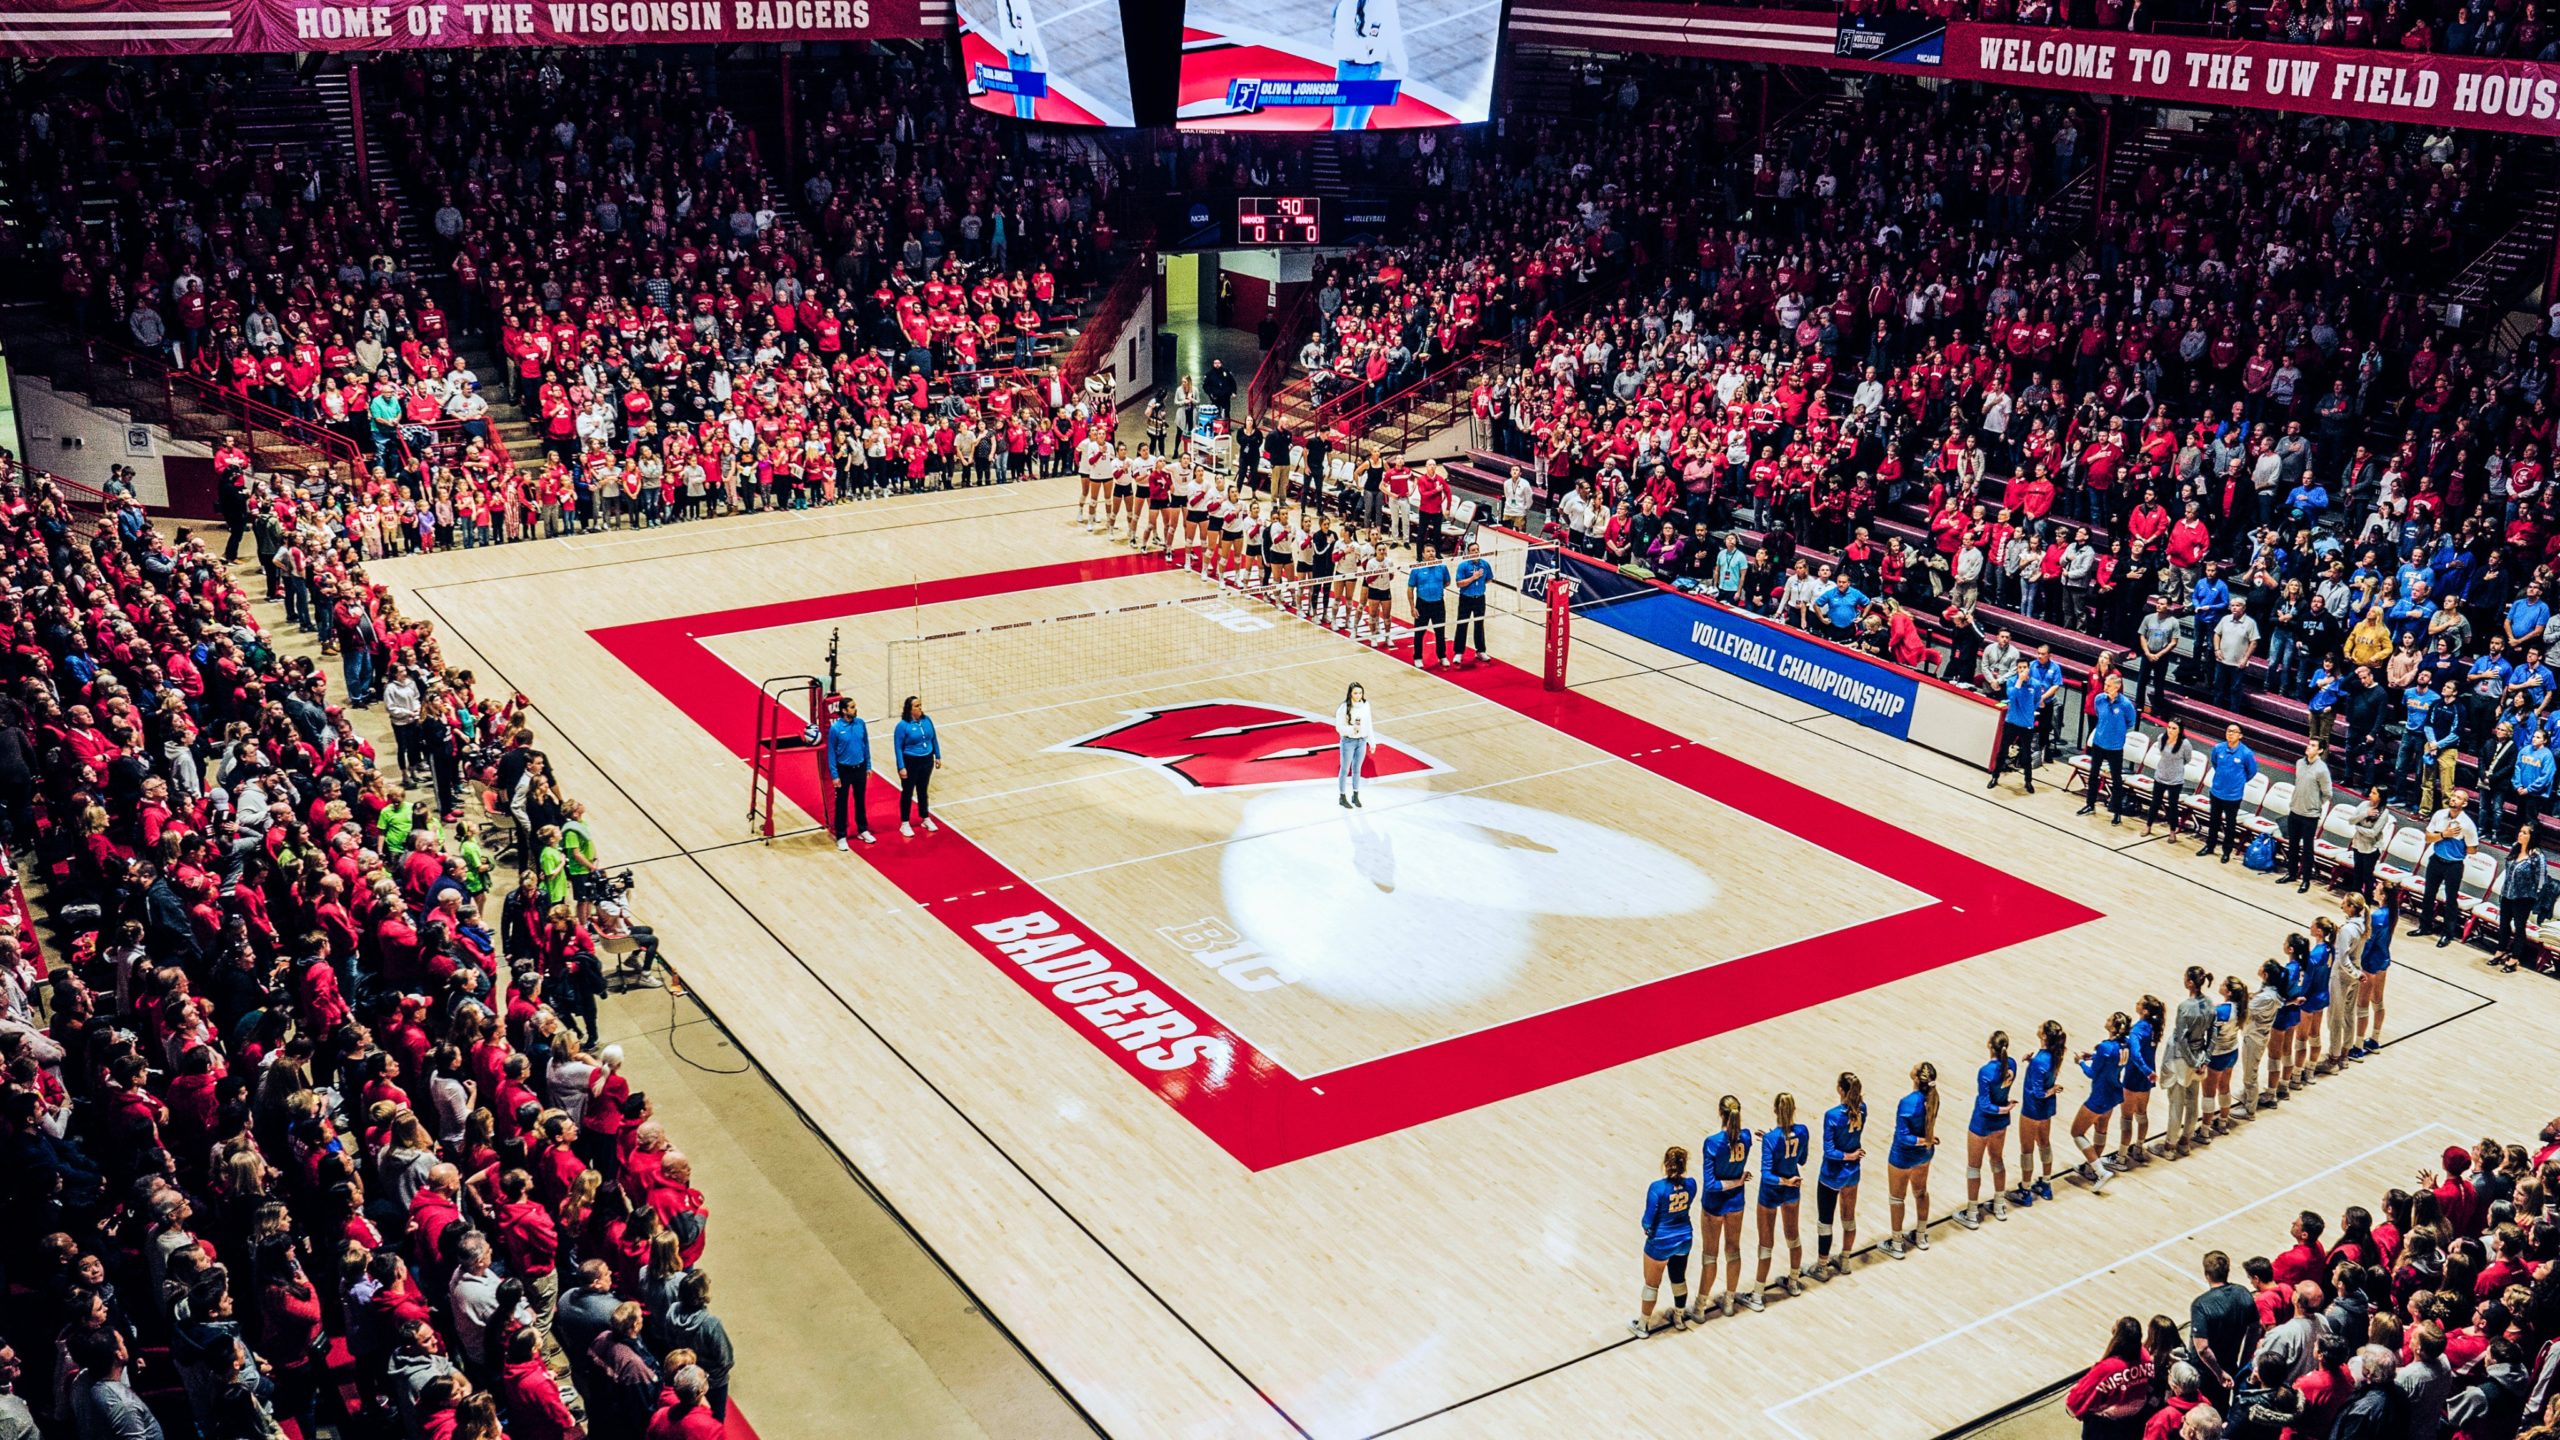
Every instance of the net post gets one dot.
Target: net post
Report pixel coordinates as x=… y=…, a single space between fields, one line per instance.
x=1559 y=628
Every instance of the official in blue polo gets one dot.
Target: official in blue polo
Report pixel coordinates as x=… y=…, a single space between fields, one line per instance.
x=1429 y=582
x=1471 y=575
x=2112 y=717
x=2049 y=677
x=2018 y=706
x=1841 y=605
x=2229 y=768
x=849 y=757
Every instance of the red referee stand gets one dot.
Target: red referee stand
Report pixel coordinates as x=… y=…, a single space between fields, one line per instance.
x=791 y=718
x=1559 y=627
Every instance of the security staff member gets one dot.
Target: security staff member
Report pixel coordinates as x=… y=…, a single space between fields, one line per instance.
x=849 y=756
x=1473 y=574
x=1429 y=582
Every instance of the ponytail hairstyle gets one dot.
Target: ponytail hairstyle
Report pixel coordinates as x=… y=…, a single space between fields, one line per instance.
x=2296 y=948
x=1784 y=1107
x=1675 y=1162
x=2354 y=907
x=2236 y=990
x=1729 y=1117
x=2118 y=1025
x=2325 y=931
x=2000 y=1056
x=1924 y=1078
x=2272 y=972
x=2051 y=1039
x=1853 y=1097
x=2199 y=978
x=2149 y=1008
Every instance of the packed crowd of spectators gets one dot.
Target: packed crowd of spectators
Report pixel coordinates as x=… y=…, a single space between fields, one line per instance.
x=2226 y=441
x=309 y=1115
x=2434 y=1314
x=686 y=340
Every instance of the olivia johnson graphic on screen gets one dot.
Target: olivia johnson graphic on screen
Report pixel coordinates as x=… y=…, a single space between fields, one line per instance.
x=1064 y=61
x=1337 y=64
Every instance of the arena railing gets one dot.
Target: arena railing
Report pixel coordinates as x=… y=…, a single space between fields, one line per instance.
x=151 y=390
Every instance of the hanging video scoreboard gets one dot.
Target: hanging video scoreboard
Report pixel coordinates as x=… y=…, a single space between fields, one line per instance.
x=1279 y=220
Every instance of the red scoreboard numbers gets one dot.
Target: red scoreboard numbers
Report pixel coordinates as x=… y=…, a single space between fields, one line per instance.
x=1279 y=220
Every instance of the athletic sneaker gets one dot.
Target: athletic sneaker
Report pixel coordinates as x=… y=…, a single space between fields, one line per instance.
x=1999 y=1207
x=1817 y=1272
x=1638 y=1328
x=1895 y=1246
x=2044 y=1189
x=1725 y=1305
x=1679 y=1317
x=1966 y=1217
x=1752 y=1302
x=1920 y=1237
x=2098 y=1181
x=1793 y=1281
x=906 y=829
x=930 y=828
x=843 y=844
x=870 y=839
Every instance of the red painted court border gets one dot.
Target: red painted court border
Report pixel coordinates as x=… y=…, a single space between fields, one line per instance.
x=1259 y=1112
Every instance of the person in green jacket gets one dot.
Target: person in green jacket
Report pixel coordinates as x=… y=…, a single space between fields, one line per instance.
x=551 y=866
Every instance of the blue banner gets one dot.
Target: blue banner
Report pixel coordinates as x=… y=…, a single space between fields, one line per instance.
x=1027 y=84
x=1762 y=651
x=1275 y=94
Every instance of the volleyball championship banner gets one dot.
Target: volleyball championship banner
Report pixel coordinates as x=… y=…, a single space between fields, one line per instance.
x=246 y=27
x=1848 y=683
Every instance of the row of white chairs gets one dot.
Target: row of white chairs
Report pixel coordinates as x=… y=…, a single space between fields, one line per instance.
x=2265 y=803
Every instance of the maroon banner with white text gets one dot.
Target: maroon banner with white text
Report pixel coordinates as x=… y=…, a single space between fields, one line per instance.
x=2454 y=90
x=226 y=27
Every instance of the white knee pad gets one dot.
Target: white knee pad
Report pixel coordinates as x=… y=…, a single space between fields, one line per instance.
x=1766 y=1252
x=1973 y=1172
x=1652 y=1293
x=1823 y=1229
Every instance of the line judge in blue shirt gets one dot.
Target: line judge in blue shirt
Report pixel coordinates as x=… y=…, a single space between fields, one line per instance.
x=1471 y=575
x=1429 y=582
x=918 y=753
x=2112 y=717
x=2018 y=707
x=2229 y=767
x=849 y=756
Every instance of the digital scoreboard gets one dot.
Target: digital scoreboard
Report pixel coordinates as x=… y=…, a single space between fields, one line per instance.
x=1279 y=220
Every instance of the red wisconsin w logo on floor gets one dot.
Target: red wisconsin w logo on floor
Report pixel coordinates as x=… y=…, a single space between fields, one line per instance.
x=1240 y=744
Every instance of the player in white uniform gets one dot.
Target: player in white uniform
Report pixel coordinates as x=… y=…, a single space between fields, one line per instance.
x=1093 y=471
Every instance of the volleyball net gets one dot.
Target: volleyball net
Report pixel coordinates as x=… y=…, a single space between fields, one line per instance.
x=1225 y=625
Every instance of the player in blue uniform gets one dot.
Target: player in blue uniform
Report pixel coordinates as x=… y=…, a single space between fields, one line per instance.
x=1987 y=1133
x=1667 y=1204
x=1906 y=1165
x=2105 y=1068
x=1724 y=1161
x=2319 y=970
x=2141 y=1075
x=1783 y=1147
x=2290 y=978
x=2374 y=967
x=2038 y=1097
x=1844 y=1129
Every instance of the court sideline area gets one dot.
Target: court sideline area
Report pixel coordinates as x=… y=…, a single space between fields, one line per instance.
x=1173 y=1291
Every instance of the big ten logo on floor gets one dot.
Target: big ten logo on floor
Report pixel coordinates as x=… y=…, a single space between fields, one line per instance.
x=1223 y=948
x=1232 y=617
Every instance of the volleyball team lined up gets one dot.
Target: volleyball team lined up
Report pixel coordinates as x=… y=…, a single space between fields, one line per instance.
x=1175 y=504
x=2308 y=1014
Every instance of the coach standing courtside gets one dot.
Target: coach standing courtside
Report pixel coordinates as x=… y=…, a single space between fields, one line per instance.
x=2018 y=707
x=2228 y=769
x=2302 y=818
x=849 y=755
x=2111 y=722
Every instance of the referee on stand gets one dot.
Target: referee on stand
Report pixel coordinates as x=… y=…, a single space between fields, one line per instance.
x=1472 y=575
x=1429 y=582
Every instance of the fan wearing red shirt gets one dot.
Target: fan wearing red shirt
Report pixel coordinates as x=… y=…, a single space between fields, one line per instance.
x=2306 y=1260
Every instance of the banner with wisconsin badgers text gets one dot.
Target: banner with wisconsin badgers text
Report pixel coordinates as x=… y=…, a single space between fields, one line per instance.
x=48 y=28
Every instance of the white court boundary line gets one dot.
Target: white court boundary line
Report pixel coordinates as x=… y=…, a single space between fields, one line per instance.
x=1776 y=1413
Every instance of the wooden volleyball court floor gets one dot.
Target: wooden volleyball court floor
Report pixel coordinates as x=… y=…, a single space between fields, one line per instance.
x=1247 y=1114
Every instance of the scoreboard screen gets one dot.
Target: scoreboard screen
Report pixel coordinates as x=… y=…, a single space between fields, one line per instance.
x=1279 y=220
